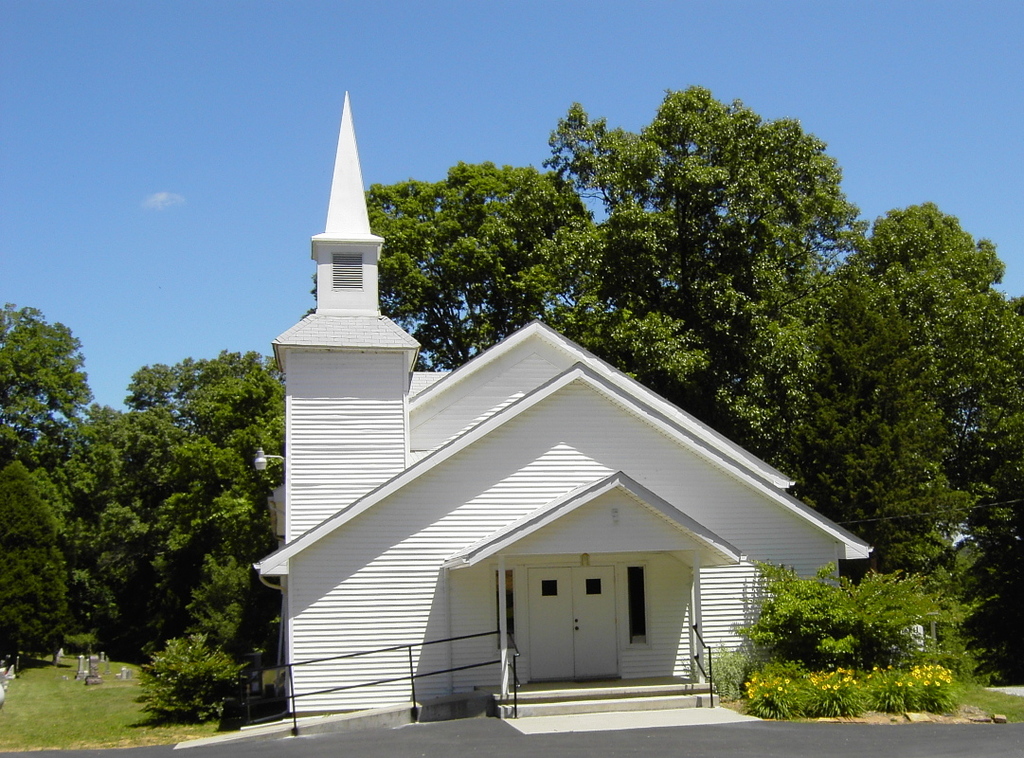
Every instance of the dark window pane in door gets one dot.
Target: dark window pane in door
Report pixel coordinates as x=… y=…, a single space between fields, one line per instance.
x=594 y=586
x=548 y=587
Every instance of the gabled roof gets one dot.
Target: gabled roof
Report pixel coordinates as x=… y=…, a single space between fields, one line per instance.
x=715 y=550
x=623 y=393
x=538 y=330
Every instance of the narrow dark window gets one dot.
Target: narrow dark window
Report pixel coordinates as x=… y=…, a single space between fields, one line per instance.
x=637 y=604
x=510 y=599
x=347 y=271
x=594 y=586
x=549 y=587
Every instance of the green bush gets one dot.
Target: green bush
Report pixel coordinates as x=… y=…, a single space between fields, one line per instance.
x=824 y=623
x=188 y=680
x=731 y=669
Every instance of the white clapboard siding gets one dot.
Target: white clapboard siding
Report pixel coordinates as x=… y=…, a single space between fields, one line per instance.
x=728 y=603
x=479 y=395
x=346 y=425
x=379 y=581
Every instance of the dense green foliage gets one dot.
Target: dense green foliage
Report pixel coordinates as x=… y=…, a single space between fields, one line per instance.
x=188 y=680
x=824 y=623
x=167 y=502
x=468 y=258
x=33 y=595
x=43 y=388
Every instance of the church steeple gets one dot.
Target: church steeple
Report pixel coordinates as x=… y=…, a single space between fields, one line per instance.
x=347 y=252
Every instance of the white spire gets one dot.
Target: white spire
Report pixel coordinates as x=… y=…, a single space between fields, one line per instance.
x=347 y=253
x=346 y=212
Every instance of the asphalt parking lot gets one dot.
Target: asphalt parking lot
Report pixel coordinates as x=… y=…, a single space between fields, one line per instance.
x=496 y=739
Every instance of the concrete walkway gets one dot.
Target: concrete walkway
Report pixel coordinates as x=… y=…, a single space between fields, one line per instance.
x=612 y=722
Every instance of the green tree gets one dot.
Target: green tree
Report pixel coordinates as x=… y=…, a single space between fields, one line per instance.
x=944 y=285
x=43 y=388
x=169 y=512
x=720 y=228
x=33 y=596
x=465 y=259
x=869 y=450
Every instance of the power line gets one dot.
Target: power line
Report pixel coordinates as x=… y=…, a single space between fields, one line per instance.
x=931 y=513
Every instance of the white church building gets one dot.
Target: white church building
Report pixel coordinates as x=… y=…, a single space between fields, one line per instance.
x=614 y=525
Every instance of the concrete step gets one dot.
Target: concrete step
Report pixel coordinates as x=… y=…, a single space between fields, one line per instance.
x=533 y=707
x=620 y=691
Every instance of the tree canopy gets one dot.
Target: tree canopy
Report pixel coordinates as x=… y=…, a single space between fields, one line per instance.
x=33 y=594
x=467 y=257
x=43 y=387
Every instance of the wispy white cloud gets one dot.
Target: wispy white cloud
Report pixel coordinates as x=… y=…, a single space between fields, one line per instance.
x=160 y=200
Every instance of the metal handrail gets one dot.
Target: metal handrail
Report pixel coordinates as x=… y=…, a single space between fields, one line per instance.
x=249 y=674
x=710 y=673
x=515 y=677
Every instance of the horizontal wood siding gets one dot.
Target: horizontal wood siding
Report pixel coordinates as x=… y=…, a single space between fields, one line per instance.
x=346 y=420
x=378 y=580
x=729 y=601
x=512 y=376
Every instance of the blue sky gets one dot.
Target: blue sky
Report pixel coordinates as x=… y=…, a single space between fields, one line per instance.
x=164 y=164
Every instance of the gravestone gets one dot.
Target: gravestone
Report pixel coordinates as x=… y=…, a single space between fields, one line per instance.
x=93 y=676
x=82 y=670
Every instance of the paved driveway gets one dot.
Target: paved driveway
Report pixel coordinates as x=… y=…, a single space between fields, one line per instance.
x=490 y=738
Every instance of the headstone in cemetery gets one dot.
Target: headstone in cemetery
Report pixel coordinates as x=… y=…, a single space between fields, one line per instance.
x=83 y=672
x=94 y=671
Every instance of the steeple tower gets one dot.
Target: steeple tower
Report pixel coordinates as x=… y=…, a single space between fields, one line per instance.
x=347 y=253
x=347 y=368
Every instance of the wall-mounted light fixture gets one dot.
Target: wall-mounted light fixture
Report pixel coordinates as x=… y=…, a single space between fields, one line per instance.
x=260 y=461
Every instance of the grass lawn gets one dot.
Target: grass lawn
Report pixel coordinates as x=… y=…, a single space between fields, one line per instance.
x=46 y=708
x=1010 y=706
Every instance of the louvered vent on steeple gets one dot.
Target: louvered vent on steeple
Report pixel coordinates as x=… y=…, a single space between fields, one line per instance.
x=347 y=271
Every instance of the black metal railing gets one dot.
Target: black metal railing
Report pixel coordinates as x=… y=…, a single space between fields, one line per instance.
x=709 y=674
x=255 y=687
x=513 y=656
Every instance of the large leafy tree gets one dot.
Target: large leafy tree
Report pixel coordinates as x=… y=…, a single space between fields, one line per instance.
x=33 y=594
x=720 y=227
x=169 y=511
x=466 y=260
x=43 y=388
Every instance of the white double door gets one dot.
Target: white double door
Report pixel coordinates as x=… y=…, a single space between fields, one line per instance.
x=572 y=623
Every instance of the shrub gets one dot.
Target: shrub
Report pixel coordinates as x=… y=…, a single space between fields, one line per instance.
x=775 y=692
x=731 y=669
x=188 y=680
x=823 y=623
x=833 y=693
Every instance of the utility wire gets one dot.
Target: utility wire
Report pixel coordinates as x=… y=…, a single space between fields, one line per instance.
x=931 y=513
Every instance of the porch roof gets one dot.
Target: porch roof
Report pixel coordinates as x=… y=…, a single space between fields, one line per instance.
x=714 y=550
